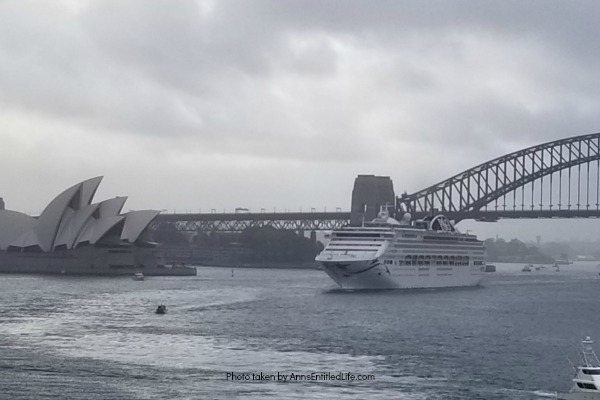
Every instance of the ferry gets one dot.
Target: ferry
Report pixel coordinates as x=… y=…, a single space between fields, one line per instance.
x=138 y=276
x=586 y=383
x=388 y=254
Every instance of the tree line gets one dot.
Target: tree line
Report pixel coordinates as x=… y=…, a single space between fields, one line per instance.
x=267 y=244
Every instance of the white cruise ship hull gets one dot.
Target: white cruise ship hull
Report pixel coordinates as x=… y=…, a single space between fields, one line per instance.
x=385 y=254
x=373 y=275
x=579 y=396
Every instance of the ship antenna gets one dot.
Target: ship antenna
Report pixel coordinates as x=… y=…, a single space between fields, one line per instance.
x=589 y=356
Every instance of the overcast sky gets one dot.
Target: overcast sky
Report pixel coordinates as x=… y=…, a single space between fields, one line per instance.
x=189 y=105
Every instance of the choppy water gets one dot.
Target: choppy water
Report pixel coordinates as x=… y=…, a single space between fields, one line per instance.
x=86 y=338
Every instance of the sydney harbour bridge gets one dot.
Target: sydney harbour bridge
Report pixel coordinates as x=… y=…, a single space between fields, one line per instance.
x=558 y=179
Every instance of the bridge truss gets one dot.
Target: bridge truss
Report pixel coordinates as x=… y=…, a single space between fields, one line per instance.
x=308 y=221
x=558 y=179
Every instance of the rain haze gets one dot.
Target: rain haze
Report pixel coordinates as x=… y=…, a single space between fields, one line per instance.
x=190 y=106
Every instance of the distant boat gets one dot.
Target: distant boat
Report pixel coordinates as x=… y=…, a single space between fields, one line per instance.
x=161 y=309
x=527 y=268
x=138 y=276
x=556 y=267
x=563 y=262
x=587 y=376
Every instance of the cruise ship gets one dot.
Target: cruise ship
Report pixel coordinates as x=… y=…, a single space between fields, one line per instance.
x=388 y=254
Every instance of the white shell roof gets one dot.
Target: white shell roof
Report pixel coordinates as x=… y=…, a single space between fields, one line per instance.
x=12 y=225
x=27 y=239
x=112 y=207
x=107 y=208
x=88 y=189
x=86 y=232
x=136 y=222
x=65 y=226
x=50 y=219
x=71 y=231
x=102 y=226
x=71 y=219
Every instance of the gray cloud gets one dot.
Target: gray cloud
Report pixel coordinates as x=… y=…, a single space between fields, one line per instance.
x=284 y=102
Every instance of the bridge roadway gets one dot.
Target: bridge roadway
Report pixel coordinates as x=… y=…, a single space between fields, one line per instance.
x=326 y=221
x=237 y=222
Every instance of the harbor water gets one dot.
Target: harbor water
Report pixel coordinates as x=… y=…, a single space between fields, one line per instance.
x=243 y=335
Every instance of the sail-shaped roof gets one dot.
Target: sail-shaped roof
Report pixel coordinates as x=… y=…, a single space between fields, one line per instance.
x=12 y=225
x=71 y=219
x=112 y=207
x=88 y=189
x=102 y=227
x=50 y=219
x=27 y=239
x=68 y=235
x=136 y=222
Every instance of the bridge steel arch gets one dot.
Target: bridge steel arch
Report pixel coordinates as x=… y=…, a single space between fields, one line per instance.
x=555 y=179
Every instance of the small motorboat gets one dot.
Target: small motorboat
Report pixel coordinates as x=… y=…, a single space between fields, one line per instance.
x=586 y=383
x=161 y=309
x=527 y=268
x=138 y=276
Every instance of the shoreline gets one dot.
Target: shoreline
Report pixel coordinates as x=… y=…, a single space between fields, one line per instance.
x=305 y=266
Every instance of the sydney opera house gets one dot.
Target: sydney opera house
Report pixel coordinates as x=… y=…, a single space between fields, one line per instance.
x=74 y=236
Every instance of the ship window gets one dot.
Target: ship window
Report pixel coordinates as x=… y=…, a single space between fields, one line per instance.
x=357 y=235
x=585 y=385
x=420 y=258
x=407 y=260
x=445 y=260
x=451 y=262
x=466 y=260
x=439 y=260
x=427 y=260
x=591 y=371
